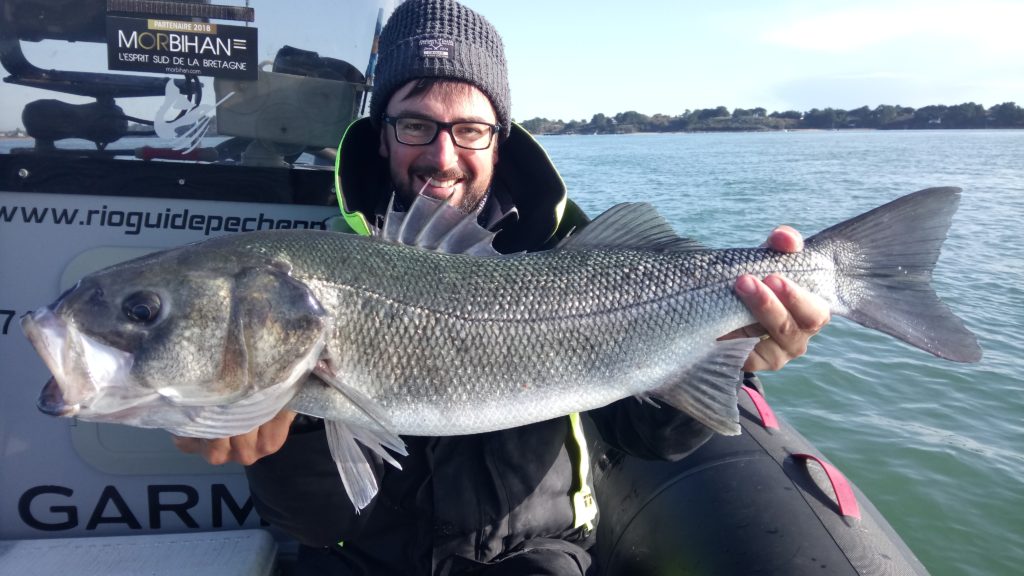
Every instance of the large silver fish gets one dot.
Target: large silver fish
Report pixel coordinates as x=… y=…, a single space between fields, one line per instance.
x=381 y=338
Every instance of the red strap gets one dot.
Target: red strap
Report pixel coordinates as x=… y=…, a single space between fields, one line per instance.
x=765 y=411
x=840 y=485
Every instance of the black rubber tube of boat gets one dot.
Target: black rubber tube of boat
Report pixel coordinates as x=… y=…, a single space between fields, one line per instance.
x=740 y=505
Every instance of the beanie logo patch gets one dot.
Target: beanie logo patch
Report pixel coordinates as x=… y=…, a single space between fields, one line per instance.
x=436 y=47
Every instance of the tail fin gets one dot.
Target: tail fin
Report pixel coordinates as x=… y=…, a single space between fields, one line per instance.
x=884 y=260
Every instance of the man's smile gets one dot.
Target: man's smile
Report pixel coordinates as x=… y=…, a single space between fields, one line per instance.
x=438 y=185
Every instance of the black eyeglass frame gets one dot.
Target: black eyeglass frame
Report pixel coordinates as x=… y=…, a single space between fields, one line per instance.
x=446 y=126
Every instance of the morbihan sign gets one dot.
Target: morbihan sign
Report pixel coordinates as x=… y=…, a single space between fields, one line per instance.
x=181 y=47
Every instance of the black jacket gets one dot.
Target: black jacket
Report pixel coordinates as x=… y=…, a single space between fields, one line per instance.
x=460 y=500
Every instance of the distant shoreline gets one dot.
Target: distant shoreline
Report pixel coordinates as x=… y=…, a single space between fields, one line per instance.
x=774 y=130
x=883 y=117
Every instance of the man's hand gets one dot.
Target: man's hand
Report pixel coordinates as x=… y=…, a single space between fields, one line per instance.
x=244 y=449
x=787 y=314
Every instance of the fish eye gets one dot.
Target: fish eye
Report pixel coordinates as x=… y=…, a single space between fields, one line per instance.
x=142 y=307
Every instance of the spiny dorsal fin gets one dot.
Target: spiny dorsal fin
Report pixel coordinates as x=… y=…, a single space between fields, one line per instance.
x=434 y=224
x=635 y=226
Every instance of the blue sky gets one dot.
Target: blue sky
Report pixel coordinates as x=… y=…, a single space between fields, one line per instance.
x=572 y=59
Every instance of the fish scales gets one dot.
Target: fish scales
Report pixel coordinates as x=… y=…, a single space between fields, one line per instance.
x=564 y=329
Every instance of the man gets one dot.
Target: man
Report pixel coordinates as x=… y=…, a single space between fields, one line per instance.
x=507 y=502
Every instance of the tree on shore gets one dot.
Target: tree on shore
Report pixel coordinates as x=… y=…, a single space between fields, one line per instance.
x=720 y=119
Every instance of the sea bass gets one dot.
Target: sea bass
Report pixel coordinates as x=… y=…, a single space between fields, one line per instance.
x=445 y=336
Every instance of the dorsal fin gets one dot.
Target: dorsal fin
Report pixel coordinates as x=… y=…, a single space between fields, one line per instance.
x=635 y=225
x=433 y=224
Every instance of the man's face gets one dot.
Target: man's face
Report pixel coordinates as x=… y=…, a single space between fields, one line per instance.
x=441 y=169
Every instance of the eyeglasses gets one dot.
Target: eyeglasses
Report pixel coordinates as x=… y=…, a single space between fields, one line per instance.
x=420 y=132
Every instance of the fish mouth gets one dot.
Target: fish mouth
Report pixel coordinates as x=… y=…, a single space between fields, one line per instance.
x=59 y=347
x=51 y=401
x=46 y=332
x=90 y=377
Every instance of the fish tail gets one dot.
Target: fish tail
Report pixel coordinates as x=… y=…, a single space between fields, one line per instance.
x=884 y=261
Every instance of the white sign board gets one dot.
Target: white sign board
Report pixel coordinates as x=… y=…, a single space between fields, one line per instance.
x=60 y=477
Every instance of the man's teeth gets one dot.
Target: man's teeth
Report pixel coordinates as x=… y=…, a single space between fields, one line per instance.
x=442 y=183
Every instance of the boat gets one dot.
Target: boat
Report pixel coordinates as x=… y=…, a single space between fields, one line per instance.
x=135 y=147
x=764 y=502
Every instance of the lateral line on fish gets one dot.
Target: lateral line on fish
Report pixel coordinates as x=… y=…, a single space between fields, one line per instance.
x=455 y=314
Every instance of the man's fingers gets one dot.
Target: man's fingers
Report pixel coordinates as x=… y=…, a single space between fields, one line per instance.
x=244 y=448
x=218 y=451
x=765 y=306
x=785 y=239
x=787 y=313
x=767 y=355
x=809 y=312
x=187 y=445
x=273 y=434
x=773 y=320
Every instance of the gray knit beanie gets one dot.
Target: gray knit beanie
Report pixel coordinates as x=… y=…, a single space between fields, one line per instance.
x=440 y=39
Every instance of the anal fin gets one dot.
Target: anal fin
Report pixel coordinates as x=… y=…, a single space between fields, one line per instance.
x=366 y=423
x=355 y=471
x=707 y=389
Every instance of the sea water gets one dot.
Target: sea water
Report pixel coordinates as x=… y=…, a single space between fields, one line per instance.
x=937 y=446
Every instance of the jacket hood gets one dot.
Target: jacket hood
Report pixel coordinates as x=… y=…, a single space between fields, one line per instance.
x=524 y=178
